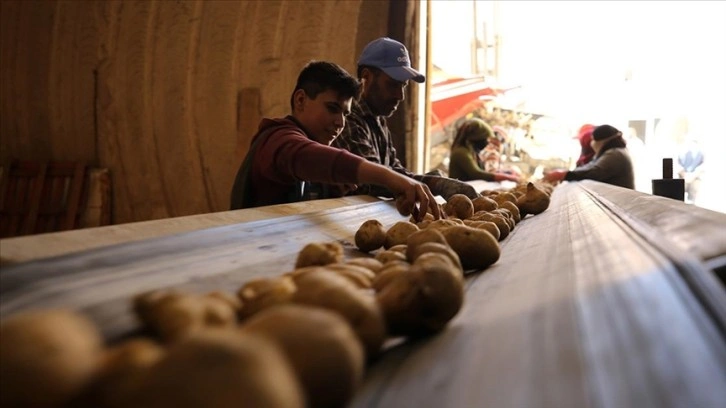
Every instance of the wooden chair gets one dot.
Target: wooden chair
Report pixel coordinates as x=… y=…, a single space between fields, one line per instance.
x=38 y=197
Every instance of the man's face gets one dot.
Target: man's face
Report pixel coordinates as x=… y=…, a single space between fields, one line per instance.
x=382 y=93
x=324 y=116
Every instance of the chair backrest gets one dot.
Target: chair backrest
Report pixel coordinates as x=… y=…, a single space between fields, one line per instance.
x=37 y=197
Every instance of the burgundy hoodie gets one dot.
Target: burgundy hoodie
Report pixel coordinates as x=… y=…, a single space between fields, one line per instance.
x=280 y=158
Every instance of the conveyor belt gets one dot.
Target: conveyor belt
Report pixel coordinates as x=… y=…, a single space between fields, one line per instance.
x=589 y=305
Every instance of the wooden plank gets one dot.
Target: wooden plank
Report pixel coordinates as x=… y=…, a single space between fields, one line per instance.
x=74 y=197
x=38 y=184
x=581 y=310
x=24 y=249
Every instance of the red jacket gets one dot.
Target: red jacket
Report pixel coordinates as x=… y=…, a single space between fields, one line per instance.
x=281 y=158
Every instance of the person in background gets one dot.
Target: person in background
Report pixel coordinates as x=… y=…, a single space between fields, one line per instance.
x=690 y=167
x=384 y=69
x=584 y=135
x=286 y=153
x=465 y=163
x=611 y=164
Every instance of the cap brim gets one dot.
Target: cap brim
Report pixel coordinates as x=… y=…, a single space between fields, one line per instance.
x=403 y=74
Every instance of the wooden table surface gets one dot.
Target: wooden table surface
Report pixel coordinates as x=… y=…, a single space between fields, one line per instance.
x=588 y=306
x=27 y=248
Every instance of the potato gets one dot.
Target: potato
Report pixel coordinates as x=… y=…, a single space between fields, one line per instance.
x=398 y=233
x=504 y=196
x=535 y=201
x=359 y=276
x=387 y=274
x=442 y=224
x=261 y=293
x=220 y=368
x=436 y=247
x=371 y=264
x=219 y=312
x=325 y=353
x=175 y=316
x=497 y=219
x=459 y=206
x=398 y=248
x=477 y=249
x=46 y=357
x=121 y=373
x=420 y=237
x=231 y=300
x=484 y=204
x=485 y=225
x=328 y=290
x=434 y=257
x=316 y=253
x=143 y=303
x=370 y=236
x=508 y=217
x=388 y=256
x=422 y=300
x=512 y=207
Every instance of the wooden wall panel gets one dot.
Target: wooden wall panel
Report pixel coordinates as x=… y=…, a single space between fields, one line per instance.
x=151 y=88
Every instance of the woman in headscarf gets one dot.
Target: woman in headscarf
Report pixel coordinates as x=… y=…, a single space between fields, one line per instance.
x=465 y=164
x=612 y=163
x=584 y=135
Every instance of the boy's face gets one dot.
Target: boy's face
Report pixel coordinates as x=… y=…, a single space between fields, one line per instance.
x=324 y=116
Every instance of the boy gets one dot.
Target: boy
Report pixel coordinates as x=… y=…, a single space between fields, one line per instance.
x=288 y=153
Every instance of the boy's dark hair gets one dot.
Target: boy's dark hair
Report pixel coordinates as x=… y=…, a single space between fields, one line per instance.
x=320 y=76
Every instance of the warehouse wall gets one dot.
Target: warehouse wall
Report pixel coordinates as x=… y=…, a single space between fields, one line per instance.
x=166 y=94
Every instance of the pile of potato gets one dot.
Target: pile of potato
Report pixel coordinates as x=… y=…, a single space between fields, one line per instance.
x=300 y=339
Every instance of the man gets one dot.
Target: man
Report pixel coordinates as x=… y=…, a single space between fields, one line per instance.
x=384 y=69
x=286 y=153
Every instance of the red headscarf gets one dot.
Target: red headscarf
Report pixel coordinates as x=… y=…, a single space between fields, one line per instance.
x=585 y=137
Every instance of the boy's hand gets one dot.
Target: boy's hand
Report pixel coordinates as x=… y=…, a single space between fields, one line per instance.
x=417 y=200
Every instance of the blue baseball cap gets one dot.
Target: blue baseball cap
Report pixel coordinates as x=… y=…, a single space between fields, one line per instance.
x=391 y=57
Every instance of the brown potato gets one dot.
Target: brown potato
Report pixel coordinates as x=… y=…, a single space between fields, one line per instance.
x=420 y=237
x=233 y=301
x=328 y=290
x=361 y=277
x=46 y=357
x=371 y=264
x=477 y=249
x=436 y=247
x=459 y=206
x=442 y=224
x=319 y=254
x=143 y=303
x=422 y=300
x=174 y=317
x=484 y=204
x=220 y=368
x=535 y=201
x=485 y=225
x=370 y=236
x=398 y=248
x=387 y=274
x=120 y=374
x=508 y=217
x=498 y=219
x=388 y=256
x=398 y=233
x=504 y=196
x=325 y=353
x=261 y=293
x=513 y=209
